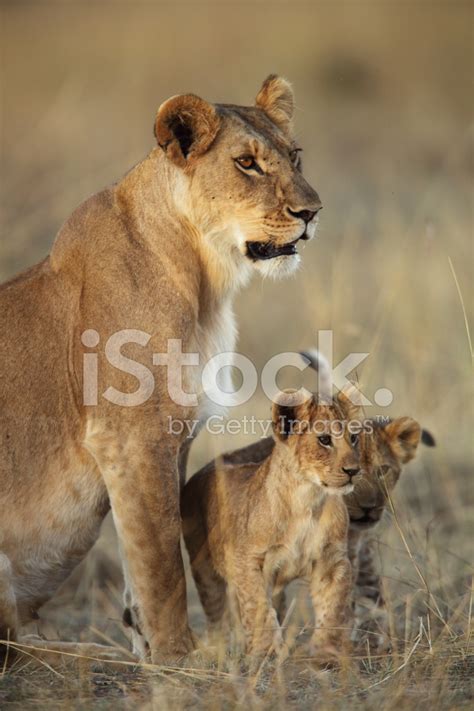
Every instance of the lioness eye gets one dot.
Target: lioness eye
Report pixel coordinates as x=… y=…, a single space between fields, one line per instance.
x=325 y=440
x=354 y=439
x=248 y=163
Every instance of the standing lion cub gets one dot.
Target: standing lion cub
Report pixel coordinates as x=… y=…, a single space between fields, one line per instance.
x=250 y=529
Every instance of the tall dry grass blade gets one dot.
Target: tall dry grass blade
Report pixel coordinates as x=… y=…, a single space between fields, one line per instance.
x=23 y=649
x=5 y=661
x=464 y=313
x=110 y=641
x=469 y=620
x=412 y=558
x=402 y=666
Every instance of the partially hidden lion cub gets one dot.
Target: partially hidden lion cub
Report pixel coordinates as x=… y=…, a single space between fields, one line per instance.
x=250 y=529
x=385 y=449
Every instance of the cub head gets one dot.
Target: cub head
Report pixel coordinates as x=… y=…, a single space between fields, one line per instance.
x=384 y=449
x=384 y=452
x=235 y=174
x=320 y=442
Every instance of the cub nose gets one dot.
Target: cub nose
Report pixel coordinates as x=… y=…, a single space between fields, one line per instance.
x=351 y=471
x=305 y=215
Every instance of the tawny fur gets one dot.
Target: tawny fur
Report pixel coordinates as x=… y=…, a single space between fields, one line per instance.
x=163 y=251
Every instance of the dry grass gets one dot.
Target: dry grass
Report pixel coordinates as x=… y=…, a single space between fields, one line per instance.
x=385 y=118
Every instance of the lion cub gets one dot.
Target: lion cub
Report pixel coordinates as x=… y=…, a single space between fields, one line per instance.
x=247 y=525
x=384 y=450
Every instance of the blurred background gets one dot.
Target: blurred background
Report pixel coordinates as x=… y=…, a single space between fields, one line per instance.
x=385 y=116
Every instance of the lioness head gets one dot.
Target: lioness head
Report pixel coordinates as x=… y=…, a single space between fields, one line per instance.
x=384 y=451
x=236 y=176
x=320 y=442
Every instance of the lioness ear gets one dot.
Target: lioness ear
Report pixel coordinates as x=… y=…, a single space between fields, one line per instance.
x=403 y=435
x=185 y=127
x=276 y=99
x=287 y=415
x=349 y=400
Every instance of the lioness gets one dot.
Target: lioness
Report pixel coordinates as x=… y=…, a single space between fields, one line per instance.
x=160 y=254
x=250 y=529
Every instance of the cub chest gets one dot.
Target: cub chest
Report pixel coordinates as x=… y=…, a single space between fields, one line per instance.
x=294 y=556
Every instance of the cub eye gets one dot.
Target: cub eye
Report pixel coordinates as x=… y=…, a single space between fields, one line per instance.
x=354 y=439
x=248 y=163
x=325 y=440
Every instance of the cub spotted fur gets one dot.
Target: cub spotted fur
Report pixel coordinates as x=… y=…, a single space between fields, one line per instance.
x=250 y=529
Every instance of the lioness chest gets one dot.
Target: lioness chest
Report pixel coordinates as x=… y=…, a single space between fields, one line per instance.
x=214 y=342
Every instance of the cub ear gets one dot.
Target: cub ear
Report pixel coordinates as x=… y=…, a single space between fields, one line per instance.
x=427 y=438
x=349 y=400
x=276 y=99
x=185 y=127
x=288 y=415
x=404 y=436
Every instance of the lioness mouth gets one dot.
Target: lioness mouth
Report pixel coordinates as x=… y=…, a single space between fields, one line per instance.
x=268 y=250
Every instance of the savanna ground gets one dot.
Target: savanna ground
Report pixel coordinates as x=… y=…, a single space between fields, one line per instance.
x=385 y=116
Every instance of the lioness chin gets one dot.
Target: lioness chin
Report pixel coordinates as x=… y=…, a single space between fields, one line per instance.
x=160 y=253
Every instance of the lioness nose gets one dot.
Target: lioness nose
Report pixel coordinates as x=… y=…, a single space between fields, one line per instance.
x=305 y=215
x=351 y=471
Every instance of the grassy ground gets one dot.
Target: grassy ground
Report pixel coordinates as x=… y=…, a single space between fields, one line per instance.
x=385 y=116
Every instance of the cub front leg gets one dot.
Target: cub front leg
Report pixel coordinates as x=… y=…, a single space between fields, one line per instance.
x=371 y=618
x=258 y=617
x=366 y=577
x=142 y=481
x=331 y=586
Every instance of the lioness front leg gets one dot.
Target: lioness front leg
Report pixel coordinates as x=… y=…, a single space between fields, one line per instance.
x=142 y=482
x=331 y=586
